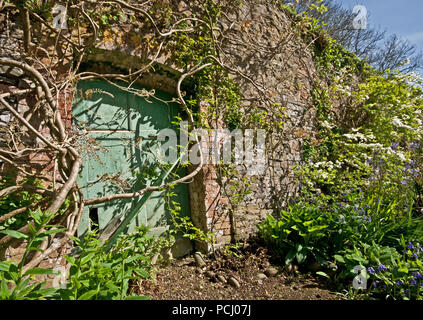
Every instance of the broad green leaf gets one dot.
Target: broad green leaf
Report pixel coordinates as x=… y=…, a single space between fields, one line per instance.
x=15 y=234
x=87 y=258
x=289 y=257
x=88 y=295
x=5 y=265
x=49 y=232
x=339 y=258
x=142 y=273
x=323 y=274
x=4 y=290
x=38 y=270
x=70 y=259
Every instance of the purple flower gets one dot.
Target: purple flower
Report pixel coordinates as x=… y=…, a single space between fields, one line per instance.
x=382 y=268
x=371 y=270
x=395 y=145
x=414 y=256
x=410 y=246
x=414 y=145
x=413 y=282
x=399 y=283
x=417 y=275
x=376 y=283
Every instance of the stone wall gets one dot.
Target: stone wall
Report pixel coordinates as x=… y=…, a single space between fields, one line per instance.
x=270 y=62
x=261 y=44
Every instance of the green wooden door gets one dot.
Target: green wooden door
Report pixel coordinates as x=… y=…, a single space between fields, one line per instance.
x=122 y=148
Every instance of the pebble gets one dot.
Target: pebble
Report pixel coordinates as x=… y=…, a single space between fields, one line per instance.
x=154 y=259
x=221 y=278
x=261 y=276
x=292 y=268
x=271 y=272
x=210 y=274
x=233 y=282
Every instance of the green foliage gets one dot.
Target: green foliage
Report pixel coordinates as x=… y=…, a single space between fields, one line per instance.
x=94 y=272
x=15 y=201
x=183 y=225
x=361 y=194
x=390 y=274
x=374 y=143
x=306 y=17
x=300 y=234
x=100 y=275
x=17 y=284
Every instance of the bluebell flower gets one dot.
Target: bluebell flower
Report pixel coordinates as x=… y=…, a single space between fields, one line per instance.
x=413 y=282
x=395 y=145
x=382 y=268
x=399 y=283
x=376 y=283
x=404 y=182
x=410 y=246
x=371 y=270
x=417 y=275
x=414 y=145
x=414 y=256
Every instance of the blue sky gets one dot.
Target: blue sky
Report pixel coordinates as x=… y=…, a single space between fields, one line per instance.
x=403 y=17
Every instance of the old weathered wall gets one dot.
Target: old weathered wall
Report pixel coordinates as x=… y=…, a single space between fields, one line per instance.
x=274 y=69
x=261 y=42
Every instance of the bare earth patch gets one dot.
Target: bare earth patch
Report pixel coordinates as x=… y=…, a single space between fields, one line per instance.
x=232 y=278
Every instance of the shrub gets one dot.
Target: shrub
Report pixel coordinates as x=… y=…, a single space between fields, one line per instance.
x=301 y=234
x=94 y=273
x=389 y=273
x=15 y=284
x=97 y=274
